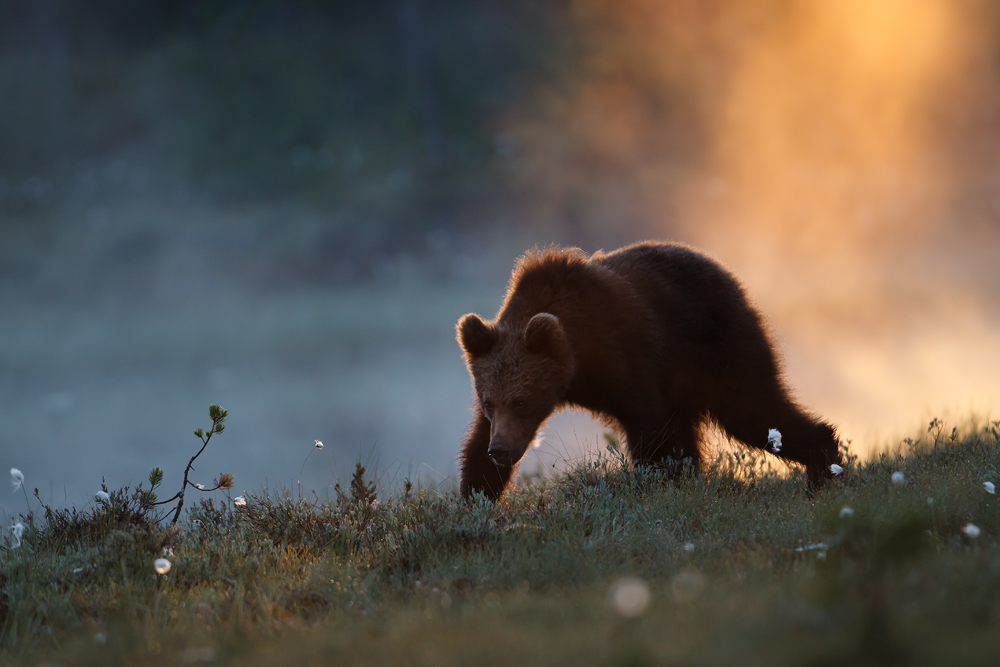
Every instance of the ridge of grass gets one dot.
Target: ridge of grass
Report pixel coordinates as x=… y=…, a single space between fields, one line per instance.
x=741 y=563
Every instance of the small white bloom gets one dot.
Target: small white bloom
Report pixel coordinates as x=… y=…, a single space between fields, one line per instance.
x=836 y=469
x=846 y=512
x=161 y=565
x=689 y=547
x=539 y=439
x=16 y=478
x=17 y=530
x=319 y=445
x=990 y=488
x=930 y=501
x=77 y=570
x=821 y=555
x=239 y=501
x=630 y=597
x=200 y=487
x=972 y=530
x=103 y=496
x=774 y=440
x=898 y=478
x=816 y=546
x=373 y=504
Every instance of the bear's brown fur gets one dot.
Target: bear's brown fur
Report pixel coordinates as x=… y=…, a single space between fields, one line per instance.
x=656 y=338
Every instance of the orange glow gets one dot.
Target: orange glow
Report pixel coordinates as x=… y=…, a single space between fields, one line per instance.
x=823 y=137
x=839 y=156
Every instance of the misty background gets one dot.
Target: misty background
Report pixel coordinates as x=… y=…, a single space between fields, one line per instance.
x=284 y=207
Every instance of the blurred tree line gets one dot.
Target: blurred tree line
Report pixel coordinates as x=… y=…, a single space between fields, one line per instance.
x=394 y=106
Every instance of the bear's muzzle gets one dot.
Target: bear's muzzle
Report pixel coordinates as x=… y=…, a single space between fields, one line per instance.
x=499 y=452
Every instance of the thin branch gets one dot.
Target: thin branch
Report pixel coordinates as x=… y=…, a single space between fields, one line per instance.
x=169 y=500
x=218 y=418
x=187 y=471
x=201 y=488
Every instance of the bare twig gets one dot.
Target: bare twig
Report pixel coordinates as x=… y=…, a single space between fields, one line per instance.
x=319 y=445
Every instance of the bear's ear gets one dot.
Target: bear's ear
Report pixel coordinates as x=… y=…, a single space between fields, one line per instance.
x=475 y=336
x=545 y=335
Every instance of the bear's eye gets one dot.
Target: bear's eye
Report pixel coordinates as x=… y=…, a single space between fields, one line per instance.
x=487 y=404
x=518 y=405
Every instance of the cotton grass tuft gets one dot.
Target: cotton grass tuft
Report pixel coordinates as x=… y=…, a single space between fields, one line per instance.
x=972 y=530
x=16 y=531
x=774 y=440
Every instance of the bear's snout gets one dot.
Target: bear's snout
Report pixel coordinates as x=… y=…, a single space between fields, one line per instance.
x=499 y=452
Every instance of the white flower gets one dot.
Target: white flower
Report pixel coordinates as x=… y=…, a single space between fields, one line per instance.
x=102 y=496
x=930 y=501
x=816 y=546
x=239 y=501
x=16 y=478
x=774 y=440
x=630 y=597
x=17 y=530
x=319 y=445
x=898 y=478
x=846 y=512
x=990 y=488
x=161 y=565
x=689 y=547
x=539 y=439
x=972 y=530
x=200 y=487
x=836 y=469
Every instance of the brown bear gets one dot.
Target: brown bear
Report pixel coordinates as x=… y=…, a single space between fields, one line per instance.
x=654 y=338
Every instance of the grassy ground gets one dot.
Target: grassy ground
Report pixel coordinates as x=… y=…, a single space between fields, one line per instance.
x=740 y=565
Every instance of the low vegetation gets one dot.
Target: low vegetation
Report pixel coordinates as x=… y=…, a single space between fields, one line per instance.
x=606 y=564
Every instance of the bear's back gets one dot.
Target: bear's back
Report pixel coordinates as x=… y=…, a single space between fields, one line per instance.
x=699 y=309
x=674 y=278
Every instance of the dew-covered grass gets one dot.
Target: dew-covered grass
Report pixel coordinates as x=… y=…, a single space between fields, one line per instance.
x=741 y=565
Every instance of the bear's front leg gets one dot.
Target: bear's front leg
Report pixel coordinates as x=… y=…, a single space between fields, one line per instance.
x=479 y=473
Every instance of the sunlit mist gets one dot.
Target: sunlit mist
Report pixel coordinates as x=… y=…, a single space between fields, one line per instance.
x=831 y=154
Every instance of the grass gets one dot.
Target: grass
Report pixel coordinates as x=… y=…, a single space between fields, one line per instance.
x=775 y=576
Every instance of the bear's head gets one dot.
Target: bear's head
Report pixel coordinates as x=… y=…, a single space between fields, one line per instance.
x=520 y=374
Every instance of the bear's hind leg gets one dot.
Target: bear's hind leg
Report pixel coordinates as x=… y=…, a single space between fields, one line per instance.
x=805 y=440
